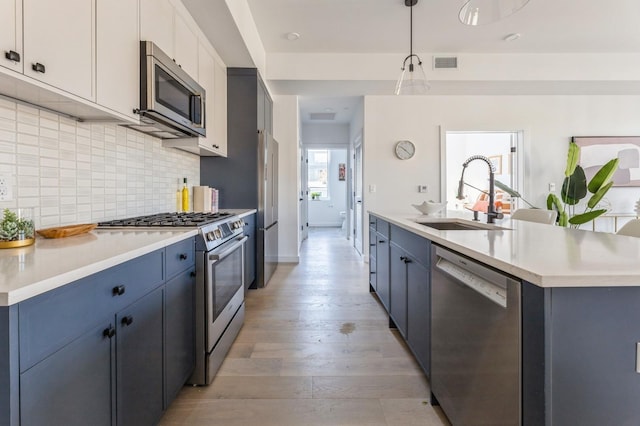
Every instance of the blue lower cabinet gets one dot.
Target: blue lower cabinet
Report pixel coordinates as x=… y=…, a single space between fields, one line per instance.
x=73 y=386
x=139 y=361
x=180 y=332
x=110 y=349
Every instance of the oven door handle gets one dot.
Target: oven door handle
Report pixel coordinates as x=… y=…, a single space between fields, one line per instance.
x=213 y=258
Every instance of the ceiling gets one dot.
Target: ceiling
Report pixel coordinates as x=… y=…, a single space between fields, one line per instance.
x=382 y=26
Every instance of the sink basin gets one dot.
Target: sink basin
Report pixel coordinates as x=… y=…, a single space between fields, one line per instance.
x=460 y=225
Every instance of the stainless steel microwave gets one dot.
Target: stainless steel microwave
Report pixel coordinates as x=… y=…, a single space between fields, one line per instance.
x=172 y=104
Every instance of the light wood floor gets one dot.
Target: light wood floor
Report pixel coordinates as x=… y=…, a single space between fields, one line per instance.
x=315 y=349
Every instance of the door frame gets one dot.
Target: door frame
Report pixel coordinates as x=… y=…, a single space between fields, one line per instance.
x=518 y=164
x=358 y=176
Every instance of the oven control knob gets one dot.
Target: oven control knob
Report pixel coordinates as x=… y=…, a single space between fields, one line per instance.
x=210 y=236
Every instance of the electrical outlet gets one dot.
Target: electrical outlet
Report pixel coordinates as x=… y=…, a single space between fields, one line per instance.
x=5 y=189
x=552 y=187
x=423 y=188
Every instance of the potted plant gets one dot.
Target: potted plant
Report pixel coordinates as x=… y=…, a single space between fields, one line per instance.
x=315 y=195
x=575 y=188
x=16 y=229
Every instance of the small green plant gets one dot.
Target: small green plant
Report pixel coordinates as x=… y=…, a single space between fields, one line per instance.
x=14 y=228
x=315 y=195
x=575 y=188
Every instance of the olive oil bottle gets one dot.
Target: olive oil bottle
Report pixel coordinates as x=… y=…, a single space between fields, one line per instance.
x=185 y=196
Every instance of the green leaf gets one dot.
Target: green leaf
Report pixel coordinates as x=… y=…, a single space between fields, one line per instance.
x=595 y=198
x=579 y=219
x=563 y=219
x=603 y=175
x=572 y=159
x=574 y=187
x=553 y=202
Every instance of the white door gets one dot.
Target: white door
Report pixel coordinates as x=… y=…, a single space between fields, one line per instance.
x=502 y=148
x=58 y=44
x=156 y=24
x=11 y=33
x=357 y=198
x=303 y=197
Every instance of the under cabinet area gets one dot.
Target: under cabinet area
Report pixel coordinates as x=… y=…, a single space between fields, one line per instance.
x=111 y=348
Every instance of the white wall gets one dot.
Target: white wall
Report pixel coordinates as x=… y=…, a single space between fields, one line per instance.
x=327 y=212
x=548 y=122
x=285 y=131
x=324 y=135
x=71 y=172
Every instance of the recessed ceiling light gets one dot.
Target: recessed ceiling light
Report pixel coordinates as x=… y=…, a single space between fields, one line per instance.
x=512 y=37
x=292 y=36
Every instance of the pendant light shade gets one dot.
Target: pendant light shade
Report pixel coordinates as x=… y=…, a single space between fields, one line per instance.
x=482 y=12
x=413 y=80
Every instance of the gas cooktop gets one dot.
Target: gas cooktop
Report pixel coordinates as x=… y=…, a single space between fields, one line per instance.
x=167 y=220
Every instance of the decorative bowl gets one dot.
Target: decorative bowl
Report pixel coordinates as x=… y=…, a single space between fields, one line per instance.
x=429 y=207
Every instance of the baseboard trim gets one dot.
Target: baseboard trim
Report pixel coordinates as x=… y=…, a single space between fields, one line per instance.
x=288 y=259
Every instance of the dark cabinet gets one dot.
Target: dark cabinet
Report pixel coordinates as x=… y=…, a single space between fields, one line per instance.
x=382 y=270
x=372 y=258
x=139 y=361
x=111 y=348
x=398 y=288
x=419 y=313
x=249 y=111
x=180 y=331
x=73 y=386
x=250 y=251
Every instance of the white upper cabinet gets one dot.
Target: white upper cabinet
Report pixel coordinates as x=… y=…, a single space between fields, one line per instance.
x=117 y=56
x=58 y=44
x=219 y=103
x=186 y=47
x=213 y=79
x=156 y=24
x=11 y=34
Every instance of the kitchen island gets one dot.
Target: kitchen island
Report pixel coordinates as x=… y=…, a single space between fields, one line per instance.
x=92 y=327
x=578 y=313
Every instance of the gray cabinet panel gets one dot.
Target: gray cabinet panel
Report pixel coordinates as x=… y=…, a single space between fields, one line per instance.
x=180 y=332
x=140 y=364
x=9 y=361
x=382 y=270
x=419 y=313
x=71 y=387
x=398 y=288
x=250 y=251
x=180 y=256
x=52 y=320
x=411 y=243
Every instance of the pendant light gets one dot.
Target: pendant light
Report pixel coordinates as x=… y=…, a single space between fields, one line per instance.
x=482 y=12
x=413 y=80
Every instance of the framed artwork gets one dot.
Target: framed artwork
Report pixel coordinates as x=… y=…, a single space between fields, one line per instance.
x=342 y=171
x=595 y=151
x=496 y=160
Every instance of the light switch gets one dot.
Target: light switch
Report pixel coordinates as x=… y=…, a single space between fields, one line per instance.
x=423 y=188
x=372 y=188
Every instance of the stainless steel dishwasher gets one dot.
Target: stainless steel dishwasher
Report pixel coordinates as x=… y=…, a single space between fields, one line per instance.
x=475 y=341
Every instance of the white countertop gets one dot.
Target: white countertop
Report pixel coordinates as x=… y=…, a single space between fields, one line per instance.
x=545 y=255
x=51 y=263
x=240 y=212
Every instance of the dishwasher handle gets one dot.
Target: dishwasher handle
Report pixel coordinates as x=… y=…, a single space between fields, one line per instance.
x=487 y=283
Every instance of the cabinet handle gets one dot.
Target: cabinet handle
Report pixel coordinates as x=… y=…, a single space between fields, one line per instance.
x=109 y=332
x=372 y=244
x=183 y=256
x=118 y=290
x=192 y=274
x=382 y=241
x=128 y=320
x=216 y=146
x=372 y=273
x=405 y=259
x=38 y=67
x=12 y=55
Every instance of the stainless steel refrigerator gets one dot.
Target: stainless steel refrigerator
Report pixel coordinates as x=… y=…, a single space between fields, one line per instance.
x=267 y=218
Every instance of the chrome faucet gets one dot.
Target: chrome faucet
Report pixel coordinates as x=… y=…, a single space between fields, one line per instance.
x=492 y=214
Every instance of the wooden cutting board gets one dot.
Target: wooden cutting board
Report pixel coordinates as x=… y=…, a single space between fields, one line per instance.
x=66 y=231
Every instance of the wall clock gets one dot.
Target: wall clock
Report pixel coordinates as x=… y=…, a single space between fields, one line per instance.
x=405 y=149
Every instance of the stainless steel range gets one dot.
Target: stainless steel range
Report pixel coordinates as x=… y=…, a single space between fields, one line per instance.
x=219 y=281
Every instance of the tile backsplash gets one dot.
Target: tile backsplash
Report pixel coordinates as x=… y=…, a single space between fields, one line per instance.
x=79 y=172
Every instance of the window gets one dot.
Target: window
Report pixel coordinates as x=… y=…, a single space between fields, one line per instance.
x=318 y=173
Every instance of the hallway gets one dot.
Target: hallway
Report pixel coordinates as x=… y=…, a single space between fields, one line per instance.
x=315 y=349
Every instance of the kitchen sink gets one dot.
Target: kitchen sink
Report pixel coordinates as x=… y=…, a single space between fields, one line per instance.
x=460 y=225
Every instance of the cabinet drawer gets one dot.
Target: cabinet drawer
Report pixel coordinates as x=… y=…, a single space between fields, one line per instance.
x=53 y=319
x=180 y=256
x=382 y=227
x=416 y=246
